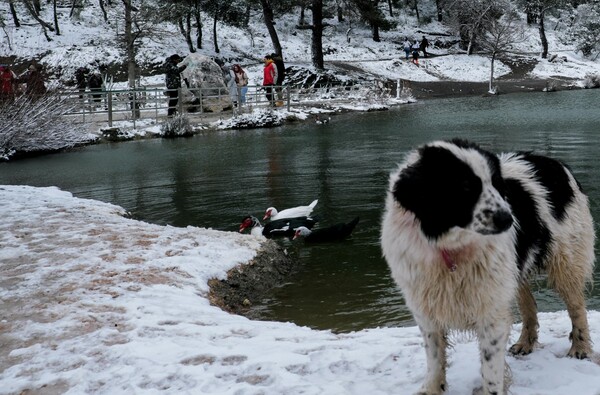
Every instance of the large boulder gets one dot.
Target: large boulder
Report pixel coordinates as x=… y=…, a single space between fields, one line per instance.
x=206 y=82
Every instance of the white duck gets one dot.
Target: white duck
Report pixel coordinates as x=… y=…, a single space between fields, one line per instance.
x=321 y=121
x=279 y=228
x=300 y=211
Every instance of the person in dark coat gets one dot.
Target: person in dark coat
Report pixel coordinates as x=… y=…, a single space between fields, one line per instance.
x=81 y=76
x=278 y=59
x=423 y=46
x=34 y=80
x=173 y=81
x=95 y=84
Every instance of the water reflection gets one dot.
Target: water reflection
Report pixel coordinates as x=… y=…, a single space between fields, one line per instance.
x=214 y=179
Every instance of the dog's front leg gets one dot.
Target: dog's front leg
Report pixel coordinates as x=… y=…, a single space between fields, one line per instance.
x=493 y=337
x=435 y=348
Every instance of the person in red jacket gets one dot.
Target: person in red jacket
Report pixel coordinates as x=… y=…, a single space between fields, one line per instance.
x=7 y=83
x=269 y=78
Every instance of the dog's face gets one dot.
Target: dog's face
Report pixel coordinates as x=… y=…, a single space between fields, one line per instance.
x=453 y=184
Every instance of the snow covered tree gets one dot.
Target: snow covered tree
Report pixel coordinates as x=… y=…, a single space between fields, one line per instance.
x=186 y=14
x=268 y=15
x=369 y=12
x=229 y=12
x=536 y=11
x=38 y=124
x=499 y=35
x=468 y=18
x=585 y=31
x=317 y=27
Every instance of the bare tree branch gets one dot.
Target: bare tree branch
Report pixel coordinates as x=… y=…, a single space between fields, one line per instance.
x=38 y=123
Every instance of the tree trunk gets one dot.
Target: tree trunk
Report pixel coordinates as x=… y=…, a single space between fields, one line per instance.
x=417 y=10
x=180 y=26
x=56 y=27
x=317 y=35
x=375 y=30
x=215 y=19
x=268 y=17
x=543 y=36
x=104 y=14
x=129 y=44
x=492 y=72
x=438 y=6
x=13 y=12
x=45 y=25
x=198 y=17
x=37 y=6
x=188 y=32
x=340 y=11
x=72 y=8
x=301 y=21
x=391 y=8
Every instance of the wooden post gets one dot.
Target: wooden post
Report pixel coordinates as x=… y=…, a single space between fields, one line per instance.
x=109 y=104
x=179 y=102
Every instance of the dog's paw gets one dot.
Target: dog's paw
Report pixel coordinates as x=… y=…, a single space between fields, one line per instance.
x=575 y=352
x=432 y=391
x=580 y=347
x=521 y=349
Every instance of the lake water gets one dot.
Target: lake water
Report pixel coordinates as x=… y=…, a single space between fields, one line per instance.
x=213 y=180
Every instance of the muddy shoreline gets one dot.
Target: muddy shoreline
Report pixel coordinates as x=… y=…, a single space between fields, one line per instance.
x=249 y=282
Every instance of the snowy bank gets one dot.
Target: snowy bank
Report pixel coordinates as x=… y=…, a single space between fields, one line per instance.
x=94 y=302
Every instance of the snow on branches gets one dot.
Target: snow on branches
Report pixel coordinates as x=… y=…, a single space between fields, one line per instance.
x=30 y=124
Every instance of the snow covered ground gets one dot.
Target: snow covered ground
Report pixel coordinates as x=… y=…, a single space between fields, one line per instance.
x=92 y=302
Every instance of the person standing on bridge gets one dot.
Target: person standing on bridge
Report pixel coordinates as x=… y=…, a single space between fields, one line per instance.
x=35 y=86
x=173 y=81
x=269 y=79
x=241 y=81
x=278 y=60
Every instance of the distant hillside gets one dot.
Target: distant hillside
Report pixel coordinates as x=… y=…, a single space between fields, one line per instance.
x=86 y=39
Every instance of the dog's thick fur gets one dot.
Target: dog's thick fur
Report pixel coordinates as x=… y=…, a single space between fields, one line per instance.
x=462 y=230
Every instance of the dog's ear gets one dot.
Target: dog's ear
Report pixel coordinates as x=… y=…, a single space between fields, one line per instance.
x=439 y=189
x=410 y=187
x=422 y=179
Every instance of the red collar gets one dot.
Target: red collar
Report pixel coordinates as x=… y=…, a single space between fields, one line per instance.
x=448 y=260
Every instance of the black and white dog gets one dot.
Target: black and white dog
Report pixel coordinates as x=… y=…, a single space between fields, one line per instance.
x=462 y=230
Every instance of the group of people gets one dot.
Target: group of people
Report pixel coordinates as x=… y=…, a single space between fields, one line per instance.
x=10 y=82
x=86 y=78
x=414 y=48
x=235 y=78
x=273 y=76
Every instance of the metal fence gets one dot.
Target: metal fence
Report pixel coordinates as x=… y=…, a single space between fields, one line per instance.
x=110 y=106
